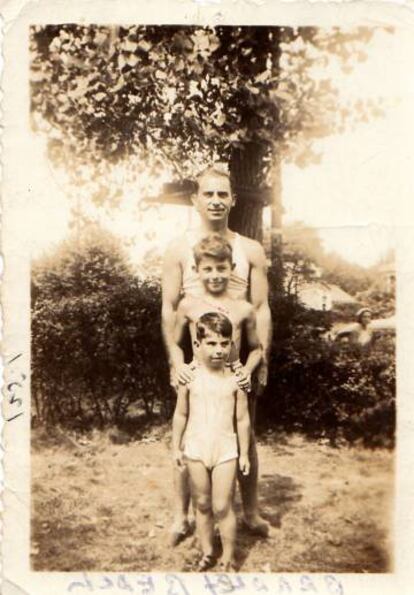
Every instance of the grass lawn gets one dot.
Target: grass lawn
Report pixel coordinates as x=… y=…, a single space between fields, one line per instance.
x=104 y=506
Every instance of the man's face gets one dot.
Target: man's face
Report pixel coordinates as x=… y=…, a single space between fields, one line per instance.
x=213 y=200
x=214 y=274
x=214 y=350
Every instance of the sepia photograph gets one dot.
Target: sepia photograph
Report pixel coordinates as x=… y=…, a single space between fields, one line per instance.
x=213 y=314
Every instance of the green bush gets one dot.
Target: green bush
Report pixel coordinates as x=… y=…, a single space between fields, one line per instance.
x=97 y=349
x=328 y=390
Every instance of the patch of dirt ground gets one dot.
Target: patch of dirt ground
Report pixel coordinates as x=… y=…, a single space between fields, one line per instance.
x=102 y=506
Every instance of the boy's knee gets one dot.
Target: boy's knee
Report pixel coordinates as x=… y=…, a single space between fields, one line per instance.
x=221 y=508
x=203 y=503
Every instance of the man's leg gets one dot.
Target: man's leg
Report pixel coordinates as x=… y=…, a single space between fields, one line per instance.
x=249 y=483
x=180 y=528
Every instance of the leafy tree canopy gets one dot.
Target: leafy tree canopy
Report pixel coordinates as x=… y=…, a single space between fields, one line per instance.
x=175 y=97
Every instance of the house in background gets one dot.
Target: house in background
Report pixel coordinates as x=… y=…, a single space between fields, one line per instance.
x=314 y=293
x=318 y=295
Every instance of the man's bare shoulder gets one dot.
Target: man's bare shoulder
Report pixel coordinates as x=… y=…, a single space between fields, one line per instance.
x=254 y=251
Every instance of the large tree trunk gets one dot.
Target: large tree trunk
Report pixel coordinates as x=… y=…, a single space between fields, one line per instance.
x=246 y=217
x=246 y=167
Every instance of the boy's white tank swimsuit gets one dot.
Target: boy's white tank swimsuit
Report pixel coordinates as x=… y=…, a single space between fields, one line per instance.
x=239 y=279
x=210 y=435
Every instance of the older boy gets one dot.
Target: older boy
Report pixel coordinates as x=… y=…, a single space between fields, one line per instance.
x=214 y=265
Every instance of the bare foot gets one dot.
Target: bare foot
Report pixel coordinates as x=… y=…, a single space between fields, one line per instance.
x=227 y=566
x=257 y=525
x=206 y=562
x=179 y=532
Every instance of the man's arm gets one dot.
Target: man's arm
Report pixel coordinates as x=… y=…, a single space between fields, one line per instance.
x=259 y=297
x=171 y=288
x=255 y=350
x=176 y=351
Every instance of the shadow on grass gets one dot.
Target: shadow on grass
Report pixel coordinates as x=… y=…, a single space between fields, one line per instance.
x=277 y=495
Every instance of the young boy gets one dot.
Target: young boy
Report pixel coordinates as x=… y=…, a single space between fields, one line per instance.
x=214 y=265
x=206 y=409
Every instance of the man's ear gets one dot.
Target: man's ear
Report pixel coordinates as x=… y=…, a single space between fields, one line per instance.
x=195 y=268
x=233 y=266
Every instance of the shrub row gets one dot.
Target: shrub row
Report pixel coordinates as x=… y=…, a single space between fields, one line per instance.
x=98 y=358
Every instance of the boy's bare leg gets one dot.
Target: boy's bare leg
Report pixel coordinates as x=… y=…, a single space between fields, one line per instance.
x=224 y=481
x=201 y=491
x=180 y=528
x=249 y=483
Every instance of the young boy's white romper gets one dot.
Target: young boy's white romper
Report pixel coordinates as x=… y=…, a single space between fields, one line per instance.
x=210 y=435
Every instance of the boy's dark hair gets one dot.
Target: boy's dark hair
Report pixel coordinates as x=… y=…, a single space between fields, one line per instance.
x=214 y=322
x=213 y=246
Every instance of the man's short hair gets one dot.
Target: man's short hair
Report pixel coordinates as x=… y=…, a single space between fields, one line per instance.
x=215 y=323
x=218 y=169
x=213 y=246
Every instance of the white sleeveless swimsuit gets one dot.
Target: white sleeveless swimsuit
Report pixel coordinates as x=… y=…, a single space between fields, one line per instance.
x=239 y=280
x=210 y=436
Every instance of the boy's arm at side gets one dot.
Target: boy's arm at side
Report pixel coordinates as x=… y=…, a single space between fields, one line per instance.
x=243 y=430
x=179 y=423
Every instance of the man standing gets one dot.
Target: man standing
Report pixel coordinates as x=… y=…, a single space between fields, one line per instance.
x=213 y=201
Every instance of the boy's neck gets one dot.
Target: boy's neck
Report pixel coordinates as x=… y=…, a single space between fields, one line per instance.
x=214 y=296
x=214 y=371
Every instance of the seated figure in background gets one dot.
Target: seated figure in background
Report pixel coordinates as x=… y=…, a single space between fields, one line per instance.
x=362 y=332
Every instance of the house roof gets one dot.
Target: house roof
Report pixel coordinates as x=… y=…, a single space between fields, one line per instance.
x=339 y=295
x=336 y=294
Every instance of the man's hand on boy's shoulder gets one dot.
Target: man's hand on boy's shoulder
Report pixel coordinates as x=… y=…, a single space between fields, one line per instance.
x=182 y=375
x=243 y=377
